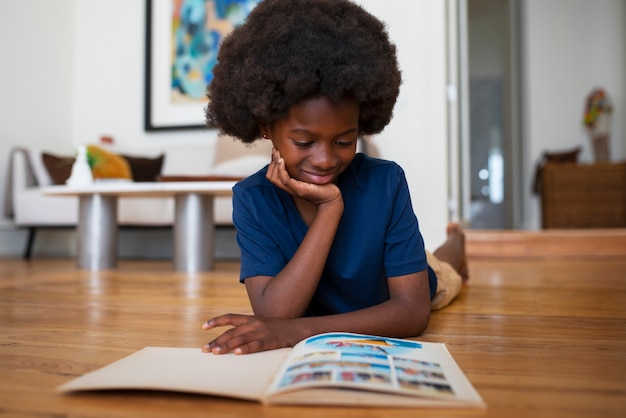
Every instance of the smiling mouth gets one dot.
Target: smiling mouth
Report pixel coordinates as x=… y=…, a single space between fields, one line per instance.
x=320 y=178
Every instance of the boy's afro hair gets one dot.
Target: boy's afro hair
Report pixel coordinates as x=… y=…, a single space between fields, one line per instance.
x=292 y=50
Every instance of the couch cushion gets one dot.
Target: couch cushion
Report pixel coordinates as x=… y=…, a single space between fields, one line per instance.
x=34 y=208
x=107 y=165
x=143 y=168
x=241 y=166
x=59 y=167
x=188 y=159
x=227 y=149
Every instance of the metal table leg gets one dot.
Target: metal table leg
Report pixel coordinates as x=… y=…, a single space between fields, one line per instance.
x=97 y=232
x=193 y=233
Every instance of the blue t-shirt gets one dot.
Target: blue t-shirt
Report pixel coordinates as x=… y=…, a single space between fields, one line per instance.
x=378 y=235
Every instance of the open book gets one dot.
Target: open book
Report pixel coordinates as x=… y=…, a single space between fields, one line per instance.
x=327 y=369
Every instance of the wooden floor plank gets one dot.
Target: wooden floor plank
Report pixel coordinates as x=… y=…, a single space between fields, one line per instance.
x=537 y=336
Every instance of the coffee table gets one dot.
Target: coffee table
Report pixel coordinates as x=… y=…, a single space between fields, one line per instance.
x=194 y=229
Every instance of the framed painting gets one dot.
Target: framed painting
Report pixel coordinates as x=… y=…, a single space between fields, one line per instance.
x=182 y=42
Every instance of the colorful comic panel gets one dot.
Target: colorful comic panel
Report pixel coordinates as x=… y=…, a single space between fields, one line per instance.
x=420 y=376
x=350 y=343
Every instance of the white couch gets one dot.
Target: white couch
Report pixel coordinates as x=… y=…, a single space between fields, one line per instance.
x=29 y=208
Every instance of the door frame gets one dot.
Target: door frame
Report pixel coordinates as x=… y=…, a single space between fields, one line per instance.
x=459 y=141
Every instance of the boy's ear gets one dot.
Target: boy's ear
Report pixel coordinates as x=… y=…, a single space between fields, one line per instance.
x=267 y=134
x=265 y=131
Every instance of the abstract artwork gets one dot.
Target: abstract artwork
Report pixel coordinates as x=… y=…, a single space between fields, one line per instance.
x=182 y=43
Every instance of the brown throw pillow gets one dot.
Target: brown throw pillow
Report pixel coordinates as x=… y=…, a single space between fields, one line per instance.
x=59 y=167
x=145 y=169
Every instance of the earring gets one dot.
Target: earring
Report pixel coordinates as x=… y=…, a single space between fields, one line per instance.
x=265 y=136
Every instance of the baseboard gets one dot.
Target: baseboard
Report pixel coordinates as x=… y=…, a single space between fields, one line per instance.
x=546 y=243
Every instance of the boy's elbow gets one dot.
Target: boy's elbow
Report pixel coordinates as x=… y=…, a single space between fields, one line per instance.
x=419 y=322
x=422 y=322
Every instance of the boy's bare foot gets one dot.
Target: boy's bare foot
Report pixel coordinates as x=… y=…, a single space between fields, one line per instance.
x=456 y=238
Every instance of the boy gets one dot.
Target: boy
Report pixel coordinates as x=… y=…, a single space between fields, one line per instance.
x=328 y=237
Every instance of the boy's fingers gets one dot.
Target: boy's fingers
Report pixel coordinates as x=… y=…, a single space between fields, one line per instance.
x=234 y=340
x=282 y=172
x=224 y=320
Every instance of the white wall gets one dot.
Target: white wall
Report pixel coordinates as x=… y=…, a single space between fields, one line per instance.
x=35 y=86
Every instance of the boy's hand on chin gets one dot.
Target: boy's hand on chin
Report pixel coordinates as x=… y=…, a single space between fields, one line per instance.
x=315 y=193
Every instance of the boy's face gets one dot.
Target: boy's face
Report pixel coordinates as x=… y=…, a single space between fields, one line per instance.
x=318 y=139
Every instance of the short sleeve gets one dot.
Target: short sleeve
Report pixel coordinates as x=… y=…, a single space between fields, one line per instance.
x=266 y=234
x=404 y=245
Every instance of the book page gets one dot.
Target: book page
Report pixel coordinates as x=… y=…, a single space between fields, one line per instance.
x=374 y=364
x=186 y=370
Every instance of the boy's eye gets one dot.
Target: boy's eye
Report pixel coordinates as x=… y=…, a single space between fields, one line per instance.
x=306 y=143
x=346 y=143
x=302 y=144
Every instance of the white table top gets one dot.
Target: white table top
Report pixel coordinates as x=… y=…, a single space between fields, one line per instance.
x=144 y=189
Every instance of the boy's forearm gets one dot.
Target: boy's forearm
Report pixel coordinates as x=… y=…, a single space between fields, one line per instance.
x=384 y=319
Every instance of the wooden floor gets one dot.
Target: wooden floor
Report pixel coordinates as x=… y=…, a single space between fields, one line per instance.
x=537 y=335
